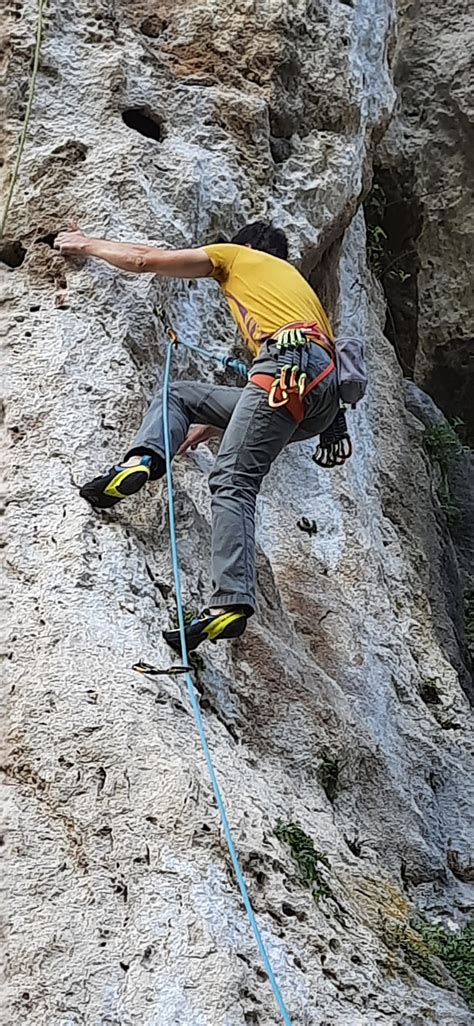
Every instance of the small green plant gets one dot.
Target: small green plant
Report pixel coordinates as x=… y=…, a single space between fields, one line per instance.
x=328 y=776
x=443 y=445
x=425 y=945
x=456 y=951
x=308 y=860
x=376 y=250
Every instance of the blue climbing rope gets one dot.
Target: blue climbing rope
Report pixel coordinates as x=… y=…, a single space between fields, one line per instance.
x=195 y=704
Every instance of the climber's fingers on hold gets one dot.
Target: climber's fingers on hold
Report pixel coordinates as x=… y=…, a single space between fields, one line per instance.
x=70 y=243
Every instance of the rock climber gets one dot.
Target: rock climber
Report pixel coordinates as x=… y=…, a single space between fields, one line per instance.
x=290 y=337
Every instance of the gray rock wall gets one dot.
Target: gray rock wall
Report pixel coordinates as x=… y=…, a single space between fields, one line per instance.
x=122 y=906
x=429 y=151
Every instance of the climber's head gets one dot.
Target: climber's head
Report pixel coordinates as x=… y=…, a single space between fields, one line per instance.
x=260 y=235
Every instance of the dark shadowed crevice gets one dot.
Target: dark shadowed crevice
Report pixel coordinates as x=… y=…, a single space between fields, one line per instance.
x=394 y=217
x=324 y=277
x=394 y=221
x=449 y=381
x=144 y=121
x=12 y=253
x=281 y=130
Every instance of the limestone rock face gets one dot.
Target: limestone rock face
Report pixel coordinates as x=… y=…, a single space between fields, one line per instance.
x=341 y=710
x=430 y=149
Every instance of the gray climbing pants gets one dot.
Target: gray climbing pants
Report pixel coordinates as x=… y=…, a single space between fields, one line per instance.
x=254 y=435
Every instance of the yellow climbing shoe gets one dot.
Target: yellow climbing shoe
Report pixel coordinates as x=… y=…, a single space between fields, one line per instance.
x=209 y=627
x=120 y=482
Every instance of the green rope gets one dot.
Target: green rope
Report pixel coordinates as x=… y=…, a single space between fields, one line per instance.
x=29 y=106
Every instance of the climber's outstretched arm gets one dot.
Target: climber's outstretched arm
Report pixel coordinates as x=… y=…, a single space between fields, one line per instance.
x=139 y=259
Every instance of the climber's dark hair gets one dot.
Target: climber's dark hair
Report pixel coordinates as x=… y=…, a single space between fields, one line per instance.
x=260 y=235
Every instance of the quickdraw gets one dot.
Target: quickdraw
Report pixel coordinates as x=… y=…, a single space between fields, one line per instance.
x=292 y=344
x=154 y=671
x=227 y=362
x=335 y=446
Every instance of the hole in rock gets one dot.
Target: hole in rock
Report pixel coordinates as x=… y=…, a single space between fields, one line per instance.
x=144 y=121
x=288 y=910
x=153 y=26
x=281 y=130
x=429 y=693
x=12 y=253
x=48 y=239
x=280 y=150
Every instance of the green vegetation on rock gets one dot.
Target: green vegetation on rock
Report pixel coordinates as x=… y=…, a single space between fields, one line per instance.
x=310 y=862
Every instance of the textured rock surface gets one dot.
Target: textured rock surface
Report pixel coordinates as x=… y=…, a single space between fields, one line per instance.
x=123 y=909
x=460 y=477
x=429 y=151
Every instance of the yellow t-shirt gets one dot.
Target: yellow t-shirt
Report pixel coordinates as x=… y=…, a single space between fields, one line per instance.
x=263 y=292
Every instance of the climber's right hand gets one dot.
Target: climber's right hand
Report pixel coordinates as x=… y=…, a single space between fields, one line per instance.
x=72 y=243
x=198 y=434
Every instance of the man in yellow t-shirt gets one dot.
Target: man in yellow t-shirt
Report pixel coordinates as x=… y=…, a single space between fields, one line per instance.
x=265 y=295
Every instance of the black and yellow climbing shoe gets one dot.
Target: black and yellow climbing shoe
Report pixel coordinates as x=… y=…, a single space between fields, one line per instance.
x=209 y=627
x=104 y=492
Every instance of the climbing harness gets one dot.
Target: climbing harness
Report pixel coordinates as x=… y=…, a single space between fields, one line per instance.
x=227 y=362
x=194 y=700
x=289 y=386
x=29 y=107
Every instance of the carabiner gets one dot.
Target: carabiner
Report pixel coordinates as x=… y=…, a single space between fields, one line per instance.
x=302 y=384
x=283 y=375
x=271 y=395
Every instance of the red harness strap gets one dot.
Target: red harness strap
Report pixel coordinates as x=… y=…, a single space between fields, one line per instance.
x=295 y=401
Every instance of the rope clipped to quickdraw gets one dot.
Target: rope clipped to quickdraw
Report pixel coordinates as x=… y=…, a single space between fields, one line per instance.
x=195 y=703
x=335 y=446
x=29 y=107
x=227 y=362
